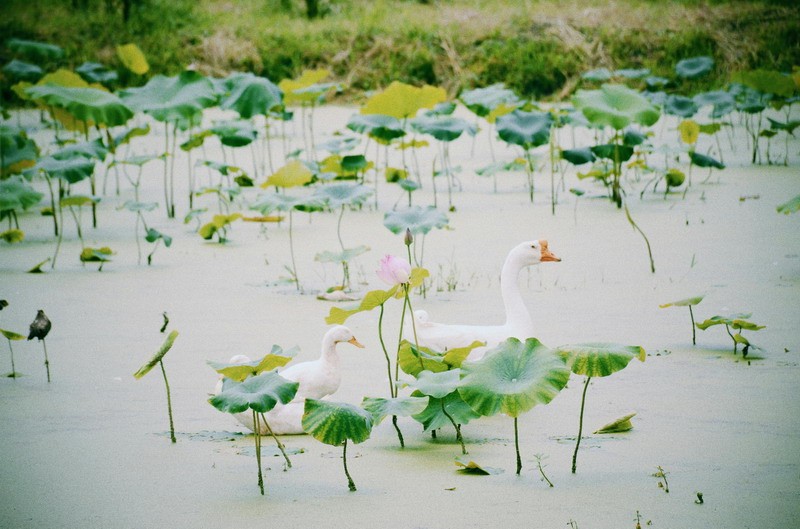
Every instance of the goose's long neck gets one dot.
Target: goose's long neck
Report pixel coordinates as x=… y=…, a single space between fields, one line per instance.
x=516 y=311
x=329 y=354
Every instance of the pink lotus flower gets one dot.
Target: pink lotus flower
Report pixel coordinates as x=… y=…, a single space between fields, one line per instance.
x=394 y=270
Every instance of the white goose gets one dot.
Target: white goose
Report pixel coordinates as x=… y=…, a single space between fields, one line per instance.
x=442 y=337
x=317 y=379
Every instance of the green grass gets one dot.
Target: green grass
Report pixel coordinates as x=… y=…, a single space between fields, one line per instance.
x=538 y=48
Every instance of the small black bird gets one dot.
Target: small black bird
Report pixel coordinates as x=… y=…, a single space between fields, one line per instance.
x=39 y=329
x=40 y=326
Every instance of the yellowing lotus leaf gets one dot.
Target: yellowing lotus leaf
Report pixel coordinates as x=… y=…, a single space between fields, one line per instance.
x=402 y=101
x=133 y=59
x=290 y=175
x=689 y=130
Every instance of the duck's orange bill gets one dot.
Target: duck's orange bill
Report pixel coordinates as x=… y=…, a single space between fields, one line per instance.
x=547 y=255
x=355 y=342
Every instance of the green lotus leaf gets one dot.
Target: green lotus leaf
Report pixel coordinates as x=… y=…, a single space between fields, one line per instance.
x=433 y=417
x=138 y=160
x=381 y=408
x=767 y=82
x=632 y=137
x=90 y=105
x=437 y=385
x=482 y=101
x=632 y=73
x=171 y=99
x=333 y=423
x=268 y=202
x=678 y=105
x=701 y=160
x=611 y=151
x=354 y=163
x=788 y=126
x=23 y=71
x=791 y=206
x=19 y=152
x=71 y=170
x=674 y=177
x=278 y=357
x=443 y=128
x=16 y=194
x=158 y=356
x=153 y=235
x=342 y=194
x=10 y=335
x=418 y=219
x=132 y=205
x=251 y=95
x=94 y=72
x=79 y=200
x=133 y=59
x=294 y=173
x=723 y=102
x=13 y=236
x=371 y=300
x=526 y=129
x=235 y=133
x=339 y=144
x=598 y=75
x=599 y=359
x=381 y=127
x=694 y=67
x=616 y=106
x=343 y=256
x=88 y=149
x=745 y=325
x=259 y=393
x=655 y=82
x=683 y=302
x=218 y=222
x=41 y=51
x=413 y=359
x=403 y=101
x=513 y=377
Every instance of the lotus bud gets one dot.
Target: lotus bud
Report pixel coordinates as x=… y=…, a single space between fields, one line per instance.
x=408 y=238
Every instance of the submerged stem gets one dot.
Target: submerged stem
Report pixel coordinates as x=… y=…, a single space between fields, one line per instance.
x=580 y=426
x=169 y=403
x=399 y=433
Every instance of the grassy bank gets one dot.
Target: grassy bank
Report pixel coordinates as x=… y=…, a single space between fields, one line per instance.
x=538 y=48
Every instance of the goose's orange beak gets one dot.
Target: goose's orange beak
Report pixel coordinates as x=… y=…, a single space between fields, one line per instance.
x=355 y=342
x=547 y=255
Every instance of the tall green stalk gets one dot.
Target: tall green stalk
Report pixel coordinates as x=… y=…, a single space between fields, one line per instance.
x=580 y=426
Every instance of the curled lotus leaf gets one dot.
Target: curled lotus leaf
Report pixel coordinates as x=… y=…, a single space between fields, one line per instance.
x=16 y=194
x=133 y=59
x=87 y=104
x=678 y=105
x=259 y=393
x=433 y=416
x=35 y=50
x=380 y=408
x=482 y=101
x=701 y=160
x=599 y=359
x=157 y=356
x=333 y=423
x=526 y=129
x=250 y=95
x=418 y=219
x=687 y=302
x=23 y=71
x=172 y=99
x=382 y=127
x=443 y=128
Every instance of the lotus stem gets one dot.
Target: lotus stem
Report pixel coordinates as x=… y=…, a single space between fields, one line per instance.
x=350 y=481
x=257 y=441
x=580 y=426
x=169 y=403
x=735 y=345
x=459 y=438
x=541 y=471
x=46 y=361
x=277 y=441
x=392 y=390
x=13 y=373
x=646 y=240
x=516 y=445
x=694 y=331
x=172 y=171
x=291 y=251
x=399 y=433
x=52 y=203
x=339 y=227
x=166 y=167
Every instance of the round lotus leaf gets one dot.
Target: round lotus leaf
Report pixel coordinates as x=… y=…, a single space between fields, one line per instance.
x=72 y=170
x=23 y=71
x=433 y=416
x=616 y=106
x=694 y=67
x=90 y=105
x=599 y=359
x=443 y=128
x=171 y=99
x=19 y=151
x=632 y=73
x=343 y=194
x=333 y=423
x=701 y=160
x=677 y=105
x=526 y=129
x=512 y=378
x=17 y=194
x=260 y=393
x=87 y=149
x=39 y=51
x=612 y=151
x=437 y=385
x=418 y=219
x=381 y=408
x=598 y=75
x=655 y=82
x=483 y=101
x=251 y=95
x=235 y=133
x=403 y=101
x=378 y=126
x=94 y=72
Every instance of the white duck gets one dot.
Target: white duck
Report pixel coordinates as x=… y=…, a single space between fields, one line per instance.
x=317 y=379
x=442 y=337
